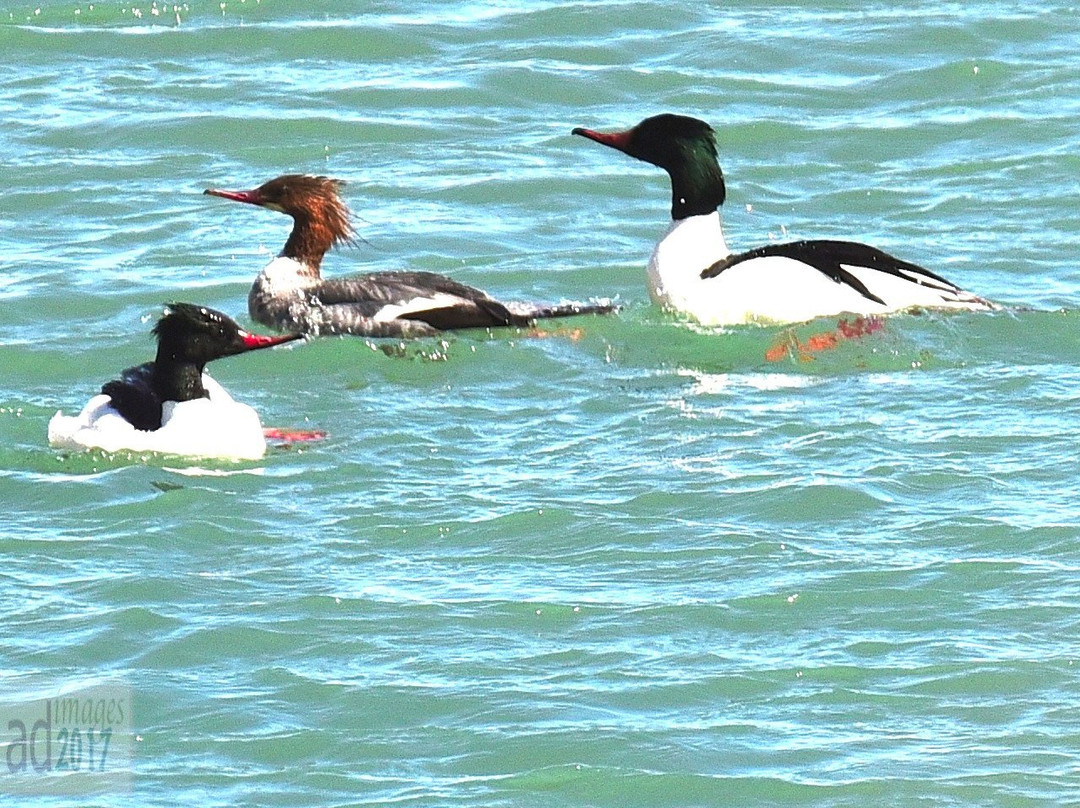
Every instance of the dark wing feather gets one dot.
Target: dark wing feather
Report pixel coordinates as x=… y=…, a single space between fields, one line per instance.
x=134 y=398
x=369 y=294
x=829 y=258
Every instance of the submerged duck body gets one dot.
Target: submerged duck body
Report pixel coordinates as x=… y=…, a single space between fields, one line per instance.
x=291 y=294
x=171 y=405
x=693 y=271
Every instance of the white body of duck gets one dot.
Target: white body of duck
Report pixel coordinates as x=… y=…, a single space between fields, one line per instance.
x=212 y=427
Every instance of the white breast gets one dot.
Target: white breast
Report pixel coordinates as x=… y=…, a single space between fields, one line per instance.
x=688 y=247
x=284 y=275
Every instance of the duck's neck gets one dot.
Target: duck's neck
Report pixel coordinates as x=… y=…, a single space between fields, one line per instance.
x=690 y=245
x=697 y=182
x=308 y=242
x=175 y=380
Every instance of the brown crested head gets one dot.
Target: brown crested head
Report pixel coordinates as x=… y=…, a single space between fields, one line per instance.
x=320 y=216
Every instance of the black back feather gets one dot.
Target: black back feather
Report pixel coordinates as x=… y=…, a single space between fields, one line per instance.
x=134 y=398
x=829 y=258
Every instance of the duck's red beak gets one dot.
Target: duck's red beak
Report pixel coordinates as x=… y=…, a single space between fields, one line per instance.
x=253 y=342
x=617 y=140
x=251 y=197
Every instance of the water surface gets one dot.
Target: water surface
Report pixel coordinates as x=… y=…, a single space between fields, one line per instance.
x=619 y=561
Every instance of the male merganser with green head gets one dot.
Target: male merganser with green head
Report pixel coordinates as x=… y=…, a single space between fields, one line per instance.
x=692 y=270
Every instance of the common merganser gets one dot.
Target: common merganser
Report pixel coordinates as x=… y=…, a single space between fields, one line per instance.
x=291 y=295
x=171 y=405
x=693 y=271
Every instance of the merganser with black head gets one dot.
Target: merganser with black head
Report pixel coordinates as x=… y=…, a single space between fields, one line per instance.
x=693 y=271
x=171 y=405
x=290 y=294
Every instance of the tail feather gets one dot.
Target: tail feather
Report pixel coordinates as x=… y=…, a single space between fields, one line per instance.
x=535 y=311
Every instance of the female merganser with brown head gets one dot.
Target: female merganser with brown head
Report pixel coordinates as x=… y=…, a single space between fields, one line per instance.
x=693 y=271
x=290 y=294
x=171 y=405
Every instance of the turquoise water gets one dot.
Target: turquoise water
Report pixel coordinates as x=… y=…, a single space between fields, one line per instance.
x=616 y=561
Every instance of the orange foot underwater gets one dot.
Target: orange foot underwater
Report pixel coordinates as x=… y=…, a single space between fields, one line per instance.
x=790 y=345
x=293 y=435
x=572 y=334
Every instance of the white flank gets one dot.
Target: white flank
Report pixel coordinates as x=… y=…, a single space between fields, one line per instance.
x=393 y=311
x=775 y=289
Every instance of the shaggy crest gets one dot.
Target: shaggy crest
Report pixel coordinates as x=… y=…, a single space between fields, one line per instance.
x=313 y=200
x=320 y=216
